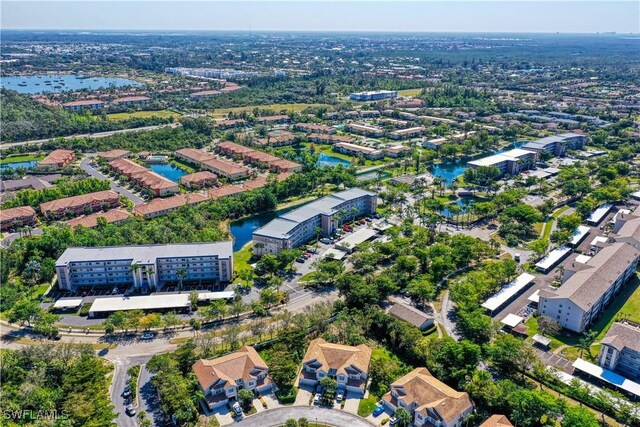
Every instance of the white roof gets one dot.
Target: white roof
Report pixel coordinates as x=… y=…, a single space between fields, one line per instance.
x=354 y=239
x=147 y=254
x=147 y=302
x=598 y=239
x=508 y=291
x=494 y=159
x=337 y=254
x=597 y=215
x=206 y=296
x=552 y=257
x=607 y=376
x=512 y=320
x=68 y=303
x=635 y=195
x=579 y=234
x=541 y=339
x=620 y=211
x=583 y=259
x=535 y=297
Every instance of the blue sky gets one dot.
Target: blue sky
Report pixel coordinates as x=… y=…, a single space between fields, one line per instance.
x=348 y=15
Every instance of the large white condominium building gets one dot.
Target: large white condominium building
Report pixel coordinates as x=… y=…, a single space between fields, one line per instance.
x=620 y=350
x=589 y=287
x=557 y=144
x=145 y=266
x=301 y=225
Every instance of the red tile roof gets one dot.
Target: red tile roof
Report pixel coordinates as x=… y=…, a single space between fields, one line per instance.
x=89 y=221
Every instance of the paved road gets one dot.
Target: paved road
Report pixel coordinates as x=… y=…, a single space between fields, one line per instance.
x=91 y=171
x=122 y=364
x=314 y=414
x=446 y=315
x=89 y=135
x=10 y=238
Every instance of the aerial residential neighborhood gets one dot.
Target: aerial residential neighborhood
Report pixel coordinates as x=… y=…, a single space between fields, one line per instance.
x=305 y=214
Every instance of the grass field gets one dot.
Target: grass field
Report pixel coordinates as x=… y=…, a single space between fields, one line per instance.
x=21 y=158
x=224 y=112
x=242 y=257
x=409 y=92
x=141 y=114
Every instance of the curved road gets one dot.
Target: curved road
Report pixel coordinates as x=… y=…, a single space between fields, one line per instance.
x=85 y=165
x=314 y=414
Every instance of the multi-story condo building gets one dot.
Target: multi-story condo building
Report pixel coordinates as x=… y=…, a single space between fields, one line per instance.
x=348 y=365
x=627 y=228
x=301 y=225
x=83 y=204
x=57 y=159
x=588 y=288
x=229 y=170
x=86 y=104
x=145 y=266
x=620 y=350
x=365 y=130
x=430 y=401
x=407 y=133
x=510 y=162
x=13 y=218
x=221 y=378
x=358 y=150
x=374 y=95
x=157 y=184
x=557 y=144
x=130 y=101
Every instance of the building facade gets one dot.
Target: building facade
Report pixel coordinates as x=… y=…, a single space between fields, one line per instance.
x=620 y=351
x=301 y=225
x=145 y=267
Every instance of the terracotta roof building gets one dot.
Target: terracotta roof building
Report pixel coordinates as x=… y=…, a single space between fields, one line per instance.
x=86 y=104
x=320 y=138
x=429 y=400
x=13 y=218
x=159 y=185
x=225 y=191
x=314 y=128
x=280 y=118
x=209 y=162
x=114 y=216
x=78 y=205
x=199 y=179
x=131 y=100
x=222 y=377
x=159 y=207
x=115 y=154
x=57 y=159
x=497 y=421
x=348 y=365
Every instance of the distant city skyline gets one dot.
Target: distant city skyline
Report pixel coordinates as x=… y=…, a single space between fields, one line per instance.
x=514 y=16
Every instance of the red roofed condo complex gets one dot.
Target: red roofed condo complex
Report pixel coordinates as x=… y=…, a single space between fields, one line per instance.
x=209 y=162
x=131 y=100
x=159 y=185
x=158 y=207
x=199 y=179
x=86 y=104
x=83 y=204
x=57 y=159
x=13 y=218
x=114 y=216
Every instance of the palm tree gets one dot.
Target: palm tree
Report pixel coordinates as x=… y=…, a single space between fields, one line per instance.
x=150 y=272
x=181 y=273
x=134 y=270
x=586 y=341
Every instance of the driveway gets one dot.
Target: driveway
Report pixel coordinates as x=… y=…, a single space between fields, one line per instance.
x=91 y=171
x=303 y=396
x=271 y=401
x=314 y=414
x=351 y=405
x=223 y=415
x=122 y=364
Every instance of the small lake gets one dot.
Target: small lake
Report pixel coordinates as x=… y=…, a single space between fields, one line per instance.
x=168 y=170
x=15 y=165
x=327 y=160
x=449 y=171
x=46 y=83
x=242 y=230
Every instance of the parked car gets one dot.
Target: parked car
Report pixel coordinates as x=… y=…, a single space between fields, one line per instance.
x=362 y=222
x=316 y=398
x=307 y=255
x=347 y=228
x=126 y=393
x=393 y=421
x=301 y=259
x=339 y=396
x=325 y=240
x=378 y=410
x=237 y=409
x=114 y=291
x=377 y=216
x=148 y=336
x=368 y=219
x=130 y=410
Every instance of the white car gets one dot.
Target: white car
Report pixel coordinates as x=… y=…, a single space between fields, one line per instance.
x=316 y=398
x=339 y=396
x=237 y=409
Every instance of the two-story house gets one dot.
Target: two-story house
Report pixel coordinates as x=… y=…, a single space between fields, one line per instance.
x=430 y=401
x=348 y=365
x=222 y=377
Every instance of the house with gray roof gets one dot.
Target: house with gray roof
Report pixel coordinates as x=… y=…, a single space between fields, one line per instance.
x=620 y=350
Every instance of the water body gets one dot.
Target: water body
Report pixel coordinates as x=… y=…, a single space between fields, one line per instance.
x=48 y=83
x=168 y=170
x=327 y=160
x=449 y=171
x=242 y=230
x=15 y=165
x=463 y=203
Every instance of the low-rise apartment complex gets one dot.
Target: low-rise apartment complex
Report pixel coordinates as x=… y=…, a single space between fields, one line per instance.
x=57 y=159
x=145 y=267
x=221 y=378
x=510 y=162
x=229 y=170
x=157 y=184
x=430 y=401
x=358 y=150
x=620 y=350
x=13 y=218
x=588 y=288
x=79 y=205
x=348 y=365
x=300 y=225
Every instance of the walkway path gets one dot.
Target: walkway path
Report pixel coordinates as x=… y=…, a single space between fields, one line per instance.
x=89 y=135
x=314 y=414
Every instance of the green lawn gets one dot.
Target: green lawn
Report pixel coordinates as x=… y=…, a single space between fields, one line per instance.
x=625 y=305
x=559 y=211
x=224 y=112
x=366 y=406
x=242 y=257
x=20 y=158
x=563 y=338
x=185 y=167
x=142 y=114
x=409 y=92
x=307 y=277
x=548 y=226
